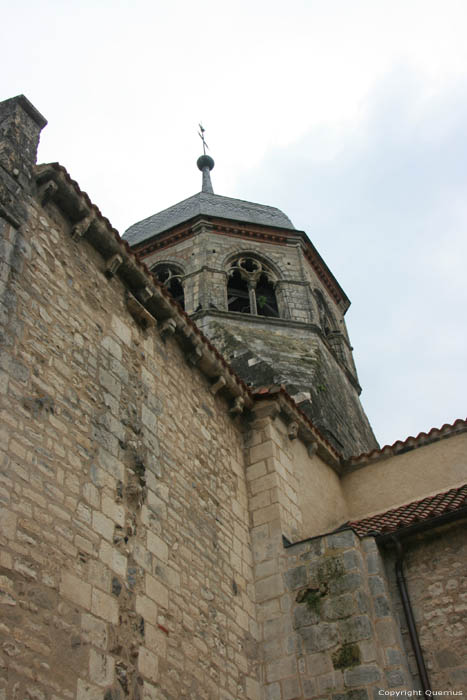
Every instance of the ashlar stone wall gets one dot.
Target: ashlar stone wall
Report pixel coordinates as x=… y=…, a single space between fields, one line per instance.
x=327 y=627
x=435 y=569
x=125 y=558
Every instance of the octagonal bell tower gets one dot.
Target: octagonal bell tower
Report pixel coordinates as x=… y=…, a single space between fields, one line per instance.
x=258 y=288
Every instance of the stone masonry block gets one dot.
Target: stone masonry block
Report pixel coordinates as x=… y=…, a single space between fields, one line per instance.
x=146 y=608
x=157 y=591
x=158 y=547
x=352 y=560
x=374 y=563
x=7 y=523
x=319 y=637
x=95 y=630
x=304 y=616
x=88 y=691
x=342 y=540
x=262 y=451
x=101 y=667
x=290 y=689
x=361 y=675
x=104 y=606
x=269 y=481
x=281 y=668
x=270 y=587
x=346 y=583
x=256 y=471
x=339 y=607
x=103 y=525
x=121 y=330
x=75 y=589
x=148 y=664
x=113 y=510
x=252 y=688
x=273 y=691
x=395 y=678
x=266 y=515
x=382 y=607
x=355 y=629
x=317 y=664
x=296 y=578
x=376 y=584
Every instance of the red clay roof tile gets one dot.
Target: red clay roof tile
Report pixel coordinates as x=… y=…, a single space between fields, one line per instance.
x=412 y=513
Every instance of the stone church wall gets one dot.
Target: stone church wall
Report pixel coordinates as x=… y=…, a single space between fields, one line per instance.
x=435 y=568
x=158 y=542
x=125 y=553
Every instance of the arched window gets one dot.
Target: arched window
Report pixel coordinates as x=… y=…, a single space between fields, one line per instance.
x=250 y=288
x=171 y=277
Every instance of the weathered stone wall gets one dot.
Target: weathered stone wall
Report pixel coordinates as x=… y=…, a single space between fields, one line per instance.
x=326 y=623
x=264 y=351
x=435 y=568
x=343 y=630
x=125 y=557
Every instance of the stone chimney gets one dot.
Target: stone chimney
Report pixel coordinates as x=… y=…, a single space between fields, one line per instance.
x=20 y=128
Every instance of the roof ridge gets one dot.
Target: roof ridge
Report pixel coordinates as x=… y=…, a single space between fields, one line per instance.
x=411 y=442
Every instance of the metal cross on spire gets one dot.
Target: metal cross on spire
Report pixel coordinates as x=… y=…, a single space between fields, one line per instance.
x=205 y=164
x=201 y=135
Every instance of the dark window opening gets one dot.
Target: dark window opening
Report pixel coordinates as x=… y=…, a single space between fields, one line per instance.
x=250 y=288
x=238 y=297
x=171 y=277
x=266 y=302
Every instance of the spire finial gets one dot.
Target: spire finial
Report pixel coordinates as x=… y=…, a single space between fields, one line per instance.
x=201 y=135
x=205 y=164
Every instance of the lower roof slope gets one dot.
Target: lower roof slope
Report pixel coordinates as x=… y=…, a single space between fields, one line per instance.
x=412 y=513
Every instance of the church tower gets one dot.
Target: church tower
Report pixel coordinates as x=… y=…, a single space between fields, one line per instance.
x=259 y=290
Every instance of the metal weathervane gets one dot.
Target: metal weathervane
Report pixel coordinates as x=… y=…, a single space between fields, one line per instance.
x=201 y=135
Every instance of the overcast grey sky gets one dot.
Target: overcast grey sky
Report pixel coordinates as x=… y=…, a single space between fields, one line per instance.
x=350 y=115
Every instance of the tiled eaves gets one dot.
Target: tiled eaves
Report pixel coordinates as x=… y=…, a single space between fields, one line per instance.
x=411 y=443
x=147 y=294
x=87 y=222
x=427 y=510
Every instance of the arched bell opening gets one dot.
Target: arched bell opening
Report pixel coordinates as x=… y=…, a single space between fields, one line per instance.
x=171 y=277
x=251 y=287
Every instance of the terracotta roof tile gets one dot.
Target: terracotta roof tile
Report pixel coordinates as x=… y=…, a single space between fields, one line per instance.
x=412 y=513
x=410 y=443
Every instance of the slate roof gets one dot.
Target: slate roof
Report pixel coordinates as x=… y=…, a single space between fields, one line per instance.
x=206 y=204
x=412 y=513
